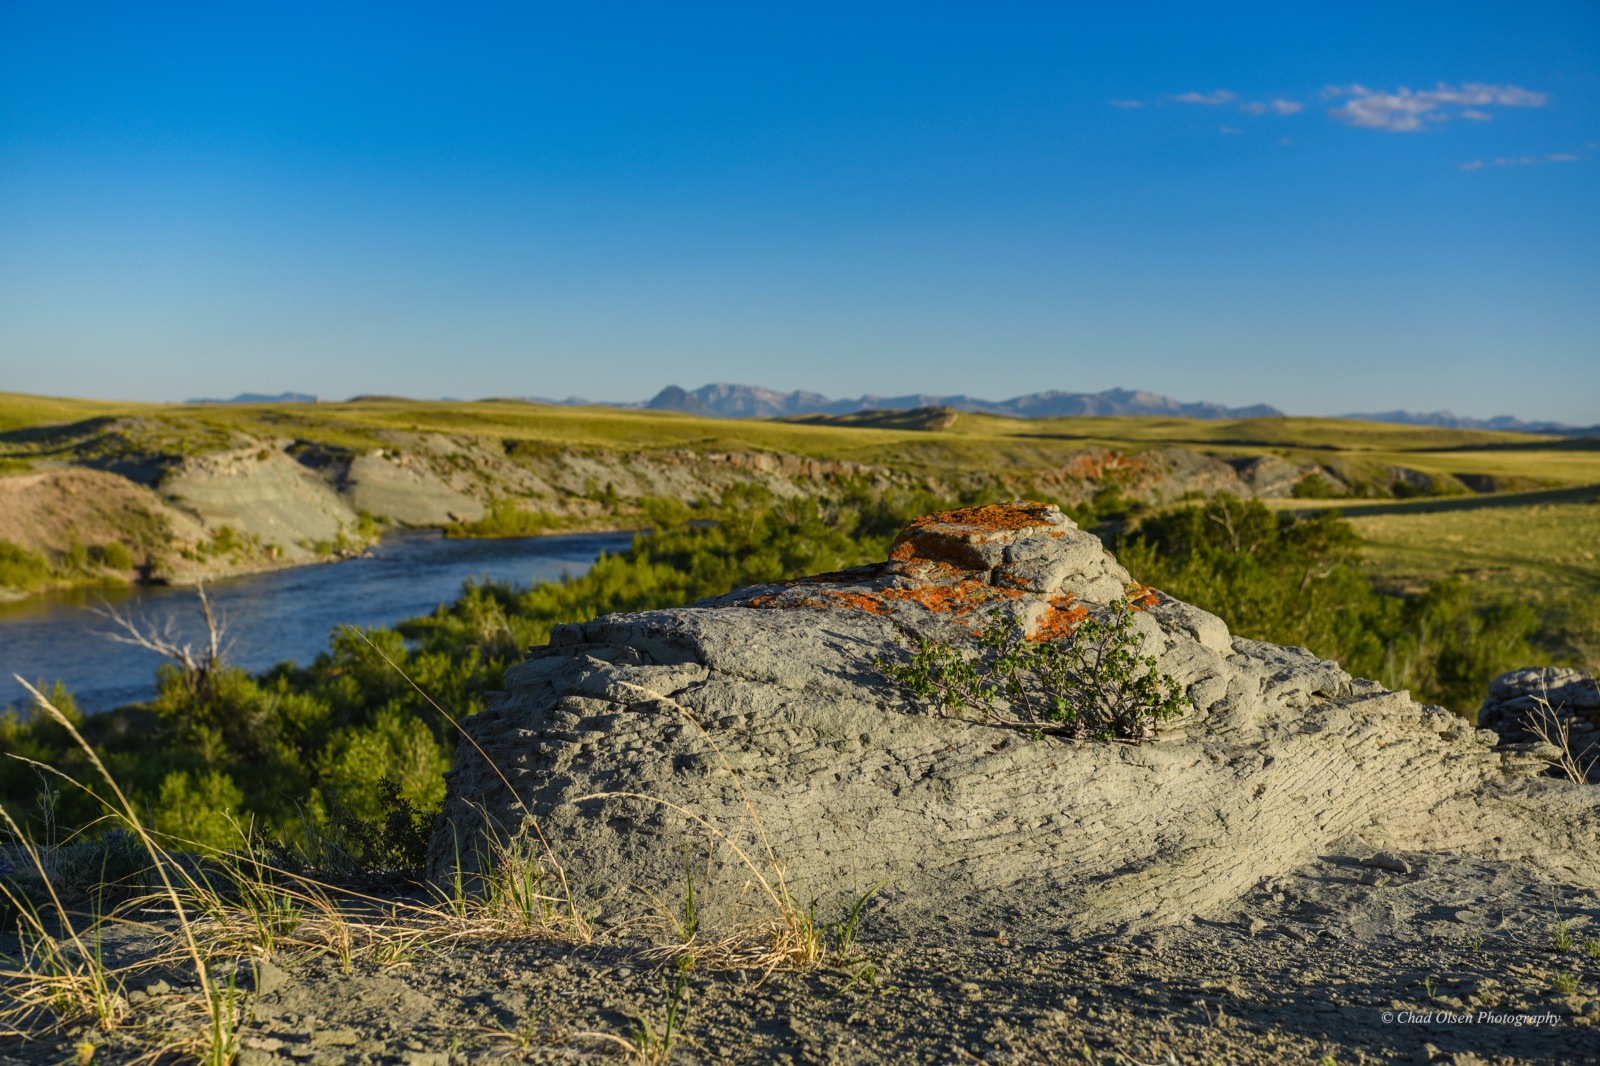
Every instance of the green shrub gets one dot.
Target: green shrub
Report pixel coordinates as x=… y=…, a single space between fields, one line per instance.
x=1315 y=487
x=74 y=562
x=504 y=518
x=198 y=809
x=22 y=569
x=394 y=840
x=1089 y=683
x=112 y=556
x=110 y=867
x=1298 y=581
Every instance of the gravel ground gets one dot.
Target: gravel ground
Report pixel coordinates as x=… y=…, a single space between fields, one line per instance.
x=1354 y=959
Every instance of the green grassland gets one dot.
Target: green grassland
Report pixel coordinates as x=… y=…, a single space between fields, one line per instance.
x=1544 y=550
x=917 y=442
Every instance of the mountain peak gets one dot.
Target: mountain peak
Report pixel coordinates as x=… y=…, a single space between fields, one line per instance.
x=723 y=400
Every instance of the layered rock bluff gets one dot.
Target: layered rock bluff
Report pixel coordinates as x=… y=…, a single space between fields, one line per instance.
x=763 y=721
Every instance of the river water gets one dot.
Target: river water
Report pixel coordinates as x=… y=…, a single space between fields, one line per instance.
x=283 y=615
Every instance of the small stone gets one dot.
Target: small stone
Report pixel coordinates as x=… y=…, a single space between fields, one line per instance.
x=269 y=978
x=970 y=990
x=336 y=1037
x=262 y=1043
x=1387 y=860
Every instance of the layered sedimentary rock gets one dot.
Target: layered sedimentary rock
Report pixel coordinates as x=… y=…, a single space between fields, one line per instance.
x=762 y=722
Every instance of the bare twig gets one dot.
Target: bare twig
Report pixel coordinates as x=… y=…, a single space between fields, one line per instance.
x=197 y=665
x=1551 y=727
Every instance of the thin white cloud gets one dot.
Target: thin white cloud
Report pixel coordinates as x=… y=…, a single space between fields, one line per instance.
x=1535 y=160
x=1229 y=131
x=1126 y=104
x=1213 y=98
x=1476 y=115
x=1477 y=94
x=1405 y=111
x=1279 y=107
x=1524 y=160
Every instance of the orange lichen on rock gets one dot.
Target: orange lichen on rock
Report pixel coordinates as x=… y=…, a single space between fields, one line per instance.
x=1094 y=466
x=961 y=598
x=950 y=563
x=956 y=598
x=1060 y=619
x=859 y=601
x=903 y=551
x=1142 y=596
x=931 y=570
x=957 y=536
x=990 y=518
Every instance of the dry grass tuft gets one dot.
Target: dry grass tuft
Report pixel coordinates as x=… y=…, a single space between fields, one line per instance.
x=219 y=914
x=1551 y=727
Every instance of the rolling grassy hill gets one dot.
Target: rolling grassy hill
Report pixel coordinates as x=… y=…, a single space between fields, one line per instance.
x=34 y=427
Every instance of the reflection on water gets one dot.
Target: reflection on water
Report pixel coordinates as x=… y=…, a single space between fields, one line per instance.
x=287 y=614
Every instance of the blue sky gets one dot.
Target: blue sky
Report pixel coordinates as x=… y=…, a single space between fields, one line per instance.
x=1360 y=207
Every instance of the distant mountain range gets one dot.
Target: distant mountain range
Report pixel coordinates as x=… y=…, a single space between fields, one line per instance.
x=720 y=400
x=1446 y=420
x=257 y=397
x=749 y=401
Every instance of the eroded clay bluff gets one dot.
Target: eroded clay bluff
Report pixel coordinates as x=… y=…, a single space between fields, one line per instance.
x=1283 y=757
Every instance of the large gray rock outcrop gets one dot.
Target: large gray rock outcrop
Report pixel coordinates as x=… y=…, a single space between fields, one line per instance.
x=761 y=721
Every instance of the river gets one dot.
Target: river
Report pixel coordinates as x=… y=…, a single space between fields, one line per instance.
x=272 y=617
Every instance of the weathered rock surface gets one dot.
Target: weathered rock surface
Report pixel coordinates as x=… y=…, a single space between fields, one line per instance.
x=1269 y=475
x=262 y=494
x=635 y=740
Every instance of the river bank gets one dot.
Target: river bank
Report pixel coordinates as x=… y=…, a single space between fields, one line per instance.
x=276 y=615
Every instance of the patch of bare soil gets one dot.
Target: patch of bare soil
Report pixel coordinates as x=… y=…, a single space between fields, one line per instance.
x=1351 y=959
x=47 y=511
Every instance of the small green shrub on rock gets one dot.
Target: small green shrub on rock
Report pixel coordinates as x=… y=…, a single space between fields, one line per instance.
x=1091 y=683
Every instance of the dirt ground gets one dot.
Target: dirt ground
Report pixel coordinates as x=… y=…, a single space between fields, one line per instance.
x=1353 y=959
